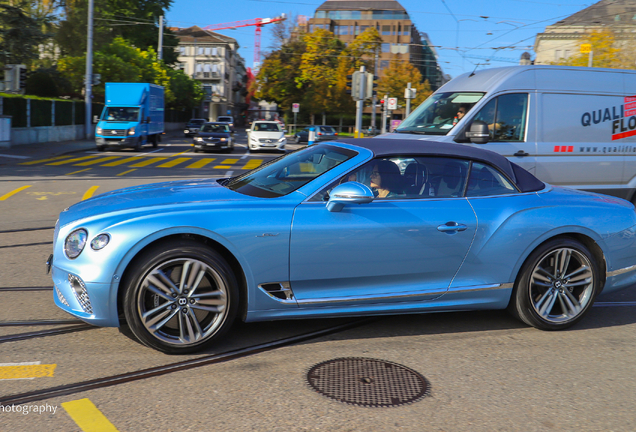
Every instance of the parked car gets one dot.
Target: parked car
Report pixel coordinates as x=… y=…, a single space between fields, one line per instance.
x=226 y=119
x=310 y=235
x=266 y=135
x=193 y=127
x=214 y=136
x=323 y=133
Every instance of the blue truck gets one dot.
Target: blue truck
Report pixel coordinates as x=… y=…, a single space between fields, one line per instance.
x=132 y=117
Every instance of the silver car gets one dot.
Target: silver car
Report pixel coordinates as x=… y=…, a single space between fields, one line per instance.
x=266 y=135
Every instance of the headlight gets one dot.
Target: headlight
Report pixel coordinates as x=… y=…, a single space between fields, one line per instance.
x=223 y=139
x=75 y=243
x=131 y=131
x=253 y=139
x=100 y=242
x=98 y=130
x=186 y=131
x=198 y=139
x=283 y=139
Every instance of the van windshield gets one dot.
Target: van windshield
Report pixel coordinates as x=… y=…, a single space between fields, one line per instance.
x=439 y=113
x=122 y=114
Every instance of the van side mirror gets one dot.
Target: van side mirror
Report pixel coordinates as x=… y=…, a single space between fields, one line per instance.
x=478 y=133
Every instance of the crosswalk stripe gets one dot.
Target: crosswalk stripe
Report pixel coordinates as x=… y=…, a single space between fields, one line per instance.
x=44 y=160
x=226 y=164
x=201 y=163
x=147 y=162
x=253 y=163
x=72 y=160
x=96 y=161
x=173 y=162
x=123 y=161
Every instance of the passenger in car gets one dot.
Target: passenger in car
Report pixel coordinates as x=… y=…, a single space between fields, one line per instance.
x=386 y=180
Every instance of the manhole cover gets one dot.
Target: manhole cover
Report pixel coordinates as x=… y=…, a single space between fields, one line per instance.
x=367 y=382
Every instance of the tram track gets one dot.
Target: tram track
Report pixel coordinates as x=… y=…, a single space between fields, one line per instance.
x=43 y=333
x=157 y=371
x=25 y=230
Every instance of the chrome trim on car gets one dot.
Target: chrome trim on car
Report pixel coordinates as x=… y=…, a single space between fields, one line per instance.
x=282 y=295
x=435 y=293
x=621 y=271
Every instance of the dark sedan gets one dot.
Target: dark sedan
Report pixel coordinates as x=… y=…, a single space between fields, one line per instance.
x=214 y=137
x=323 y=133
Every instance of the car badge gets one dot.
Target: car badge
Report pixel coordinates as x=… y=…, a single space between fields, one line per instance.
x=114 y=132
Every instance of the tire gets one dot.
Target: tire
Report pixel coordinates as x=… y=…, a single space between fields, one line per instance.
x=101 y=148
x=138 y=145
x=155 y=141
x=551 y=299
x=179 y=319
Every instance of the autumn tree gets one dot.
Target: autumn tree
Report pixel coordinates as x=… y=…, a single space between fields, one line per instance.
x=396 y=78
x=607 y=52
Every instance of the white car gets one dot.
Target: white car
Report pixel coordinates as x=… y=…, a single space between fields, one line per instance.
x=266 y=135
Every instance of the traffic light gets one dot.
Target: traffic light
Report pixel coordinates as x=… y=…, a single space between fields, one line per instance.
x=354 y=82
x=382 y=104
x=23 y=77
x=97 y=79
x=349 y=78
x=371 y=85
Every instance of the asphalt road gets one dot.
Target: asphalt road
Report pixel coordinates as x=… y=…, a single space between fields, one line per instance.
x=486 y=371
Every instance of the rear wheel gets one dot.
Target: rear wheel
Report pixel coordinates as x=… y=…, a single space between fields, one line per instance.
x=138 y=144
x=155 y=141
x=180 y=297
x=101 y=148
x=557 y=286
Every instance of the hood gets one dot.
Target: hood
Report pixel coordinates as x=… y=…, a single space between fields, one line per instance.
x=214 y=134
x=142 y=197
x=265 y=134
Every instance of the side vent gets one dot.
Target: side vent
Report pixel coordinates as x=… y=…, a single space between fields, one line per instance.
x=280 y=291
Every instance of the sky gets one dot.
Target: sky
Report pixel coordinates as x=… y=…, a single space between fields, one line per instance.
x=466 y=34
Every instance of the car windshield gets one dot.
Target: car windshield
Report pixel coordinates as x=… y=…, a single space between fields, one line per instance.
x=266 y=127
x=225 y=119
x=328 y=129
x=196 y=122
x=439 y=113
x=290 y=172
x=122 y=114
x=218 y=128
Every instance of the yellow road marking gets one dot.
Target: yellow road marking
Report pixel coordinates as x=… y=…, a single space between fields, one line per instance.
x=75 y=172
x=26 y=371
x=87 y=416
x=123 y=161
x=44 y=160
x=96 y=161
x=13 y=192
x=187 y=151
x=147 y=162
x=72 y=160
x=173 y=162
x=126 y=172
x=226 y=164
x=253 y=163
x=89 y=193
x=201 y=163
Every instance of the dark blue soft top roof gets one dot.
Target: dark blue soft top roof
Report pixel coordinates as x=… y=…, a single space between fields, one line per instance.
x=397 y=147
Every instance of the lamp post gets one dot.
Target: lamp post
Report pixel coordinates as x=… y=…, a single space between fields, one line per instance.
x=88 y=94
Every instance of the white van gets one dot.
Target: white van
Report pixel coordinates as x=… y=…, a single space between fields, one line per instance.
x=569 y=126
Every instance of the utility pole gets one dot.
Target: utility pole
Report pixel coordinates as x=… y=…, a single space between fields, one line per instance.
x=360 y=102
x=374 y=99
x=160 y=43
x=408 y=100
x=88 y=94
x=386 y=102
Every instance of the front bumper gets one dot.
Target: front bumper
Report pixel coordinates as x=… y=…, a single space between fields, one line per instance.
x=212 y=145
x=96 y=305
x=267 y=146
x=119 y=141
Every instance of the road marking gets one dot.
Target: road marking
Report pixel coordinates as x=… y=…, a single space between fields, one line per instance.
x=10 y=371
x=15 y=156
x=253 y=163
x=201 y=163
x=226 y=164
x=245 y=155
x=75 y=172
x=89 y=193
x=96 y=161
x=13 y=192
x=173 y=162
x=44 y=160
x=229 y=174
x=126 y=172
x=87 y=416
x=72 y=160
x=147 y=162
x=187 y=151
x=614 y=304
x=123 y=161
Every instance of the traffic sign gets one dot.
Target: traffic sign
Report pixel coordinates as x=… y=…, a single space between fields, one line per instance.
x=295 y=107
x=392 y=104
x=586 y=48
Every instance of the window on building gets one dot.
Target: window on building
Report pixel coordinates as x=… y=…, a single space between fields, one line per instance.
x=386 y=30
x=215 y=51
x=363 y=28
x=386 y=47
x=567 y=53
x=182 y=50
x=215 y=68
x=384 y=64
x=200 y=51
x=557 y=54
x=199 y=67
x=406 y=30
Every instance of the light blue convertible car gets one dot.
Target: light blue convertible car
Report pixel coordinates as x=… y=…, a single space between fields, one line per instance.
x=358 y=227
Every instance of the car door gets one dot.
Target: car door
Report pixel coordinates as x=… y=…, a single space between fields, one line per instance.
x=403 y=247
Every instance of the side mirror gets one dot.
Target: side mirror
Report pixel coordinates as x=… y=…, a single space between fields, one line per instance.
x=478 y=133
x=349 y=193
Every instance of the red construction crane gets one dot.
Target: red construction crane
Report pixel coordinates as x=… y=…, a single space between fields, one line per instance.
x=258 y=22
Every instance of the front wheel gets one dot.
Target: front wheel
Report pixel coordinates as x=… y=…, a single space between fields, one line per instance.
x=557 y=285
x=180 y=297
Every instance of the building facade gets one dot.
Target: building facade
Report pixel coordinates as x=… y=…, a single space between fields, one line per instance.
x=213 y=59
x=562 y=39
x=400 y=38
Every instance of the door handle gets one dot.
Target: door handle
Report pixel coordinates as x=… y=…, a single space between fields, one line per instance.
x=452 y=227
x=522 y=153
